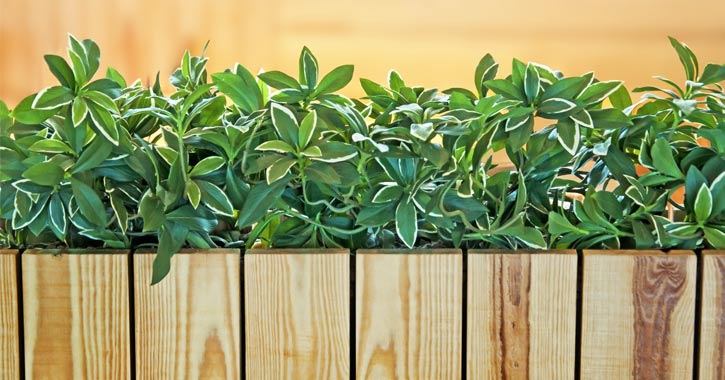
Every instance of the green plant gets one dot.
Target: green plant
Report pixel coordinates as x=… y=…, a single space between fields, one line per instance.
x=276 y=160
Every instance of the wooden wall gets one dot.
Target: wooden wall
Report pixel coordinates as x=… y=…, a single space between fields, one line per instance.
x=433 y=43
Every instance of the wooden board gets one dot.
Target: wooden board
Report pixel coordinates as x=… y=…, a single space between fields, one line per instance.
x=521 y=315
x=638 y=315
x=297 y=310
x=408 y=314
x=188 y=325
x=76 y=315
x=712 y=323
x=9 y=329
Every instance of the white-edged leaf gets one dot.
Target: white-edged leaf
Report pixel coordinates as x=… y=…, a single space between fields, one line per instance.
x=307 y=129
x=207 y=166
x=406 y=222
x=279 y=169
x=703 y=204
x=555 y=106
x=569 y=136
x=193 y=193
x=583 y=119
x=52 y=97
x=388 y=193
x=421 y=131
x=278 y=146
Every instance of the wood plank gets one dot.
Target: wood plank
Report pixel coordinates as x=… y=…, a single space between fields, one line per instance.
x=712 y=323
x=76 y=315
x=521 y=315
x=188 y=325
x=297 y=306
x=9 y=329
x=638 y=315
x=409 y=309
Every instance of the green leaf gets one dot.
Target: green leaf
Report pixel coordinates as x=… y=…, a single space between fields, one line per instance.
x=335 y=80
x=531 y=83
x=278 y=146
x=406 y=222
x=279 y=169
x=285 y=123
x=104 y=123
x=703 y=204
x=45 y=173
x=50 y=146
x=567 y=88
x=259 y=201
x=151 y=210
x=555 y=106
x=569 y=135
x=308 y=69
x=422 y=131
x=715 y=237
x=102 y=100
x=88 y=202
x=171 y=239
x=53 y=97
x=279 y=80
x=115 y=76
x=609 y=118
x=307 y=129
x=620 y=98
x=712 y=74
x=395 y=81
x=559 y=225
x=597 y=92
x=688 y=59
x=388 y=193
x=56 y=213
x=79 y=111
x=241 y=88
x=193 y=193
x=61 y=70
x=92 y=155
x=207 y=166
x=200 y=219
x=505 y=88
x=24 y=112
x=119 y=209
x=485 y=71
x=663 y=160
x=333 y=151
x=214 y=198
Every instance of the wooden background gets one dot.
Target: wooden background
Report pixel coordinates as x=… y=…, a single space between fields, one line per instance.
x=432 y=43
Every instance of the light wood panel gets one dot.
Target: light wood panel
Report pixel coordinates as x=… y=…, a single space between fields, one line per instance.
x=409 y=310
x=297 y=313
x=712 y=323
x=638 y=315
x=76 y=315
x=188 y=325
x=9 y=329
x=521 y=315
x=432 y=43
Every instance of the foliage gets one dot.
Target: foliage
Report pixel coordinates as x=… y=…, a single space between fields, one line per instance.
x=276 y=160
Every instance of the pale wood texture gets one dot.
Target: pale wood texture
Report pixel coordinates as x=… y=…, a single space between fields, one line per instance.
x=712 y=323
x=188 y=325
x=521 y=315
x=76 y=315
x=9 y=329
x=638 y=315
x=409 y=309
x=297 y=314
x=432 y=43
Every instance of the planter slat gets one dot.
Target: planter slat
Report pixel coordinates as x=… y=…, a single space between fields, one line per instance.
x=188 y=325
x=9 y=330
x=76 y=315
x=521 y=315
x=638 y=315
x=712 y=323
x=297 y=314
x=409 y=309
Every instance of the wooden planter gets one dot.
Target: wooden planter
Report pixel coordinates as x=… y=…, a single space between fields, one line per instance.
x=409 y=314
x=76 y=315
x=638 y=314
x=521 y=315
x=712 y=323
x=188 y=326
x=9 y=321
x=297 y=314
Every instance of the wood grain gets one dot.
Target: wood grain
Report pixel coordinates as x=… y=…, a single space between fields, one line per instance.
x=188 y=325
x=712 y=323
x=76 y=315
x=638 y=315
x=409 y=309
x=297 y=313
x=9 y=329
x=521 y=315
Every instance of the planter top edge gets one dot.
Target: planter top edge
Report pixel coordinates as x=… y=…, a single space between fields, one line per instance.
x=522 y=252
x=636 y=252
x=296 y=251
x=414 y=251
x=7 y=251
x=192 y=251
x=76 y=251
x=713 y=252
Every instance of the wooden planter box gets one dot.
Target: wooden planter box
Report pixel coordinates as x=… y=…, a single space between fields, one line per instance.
x=427 y=314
